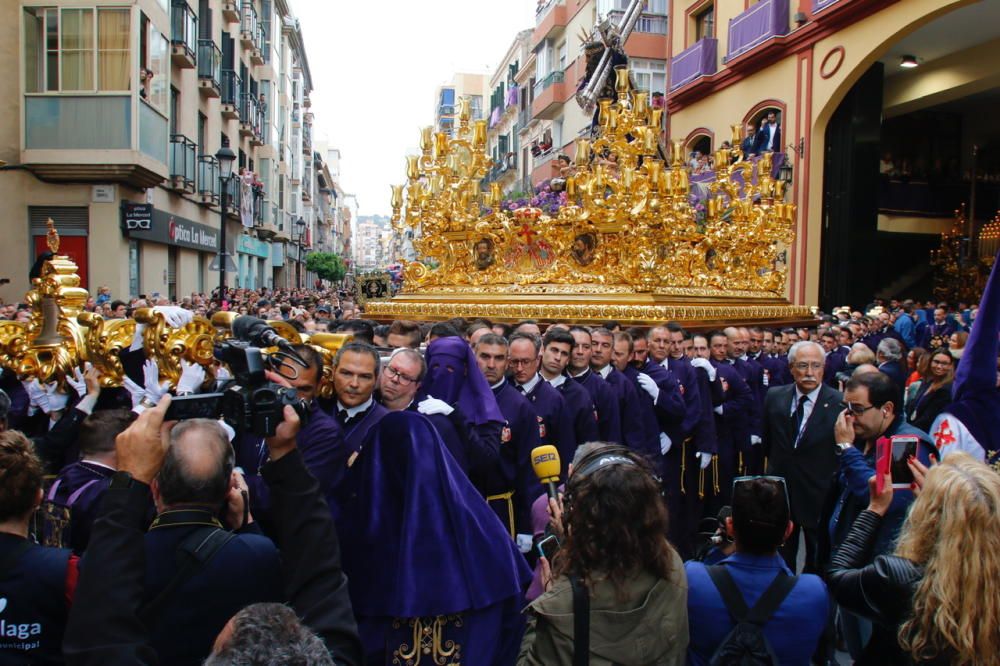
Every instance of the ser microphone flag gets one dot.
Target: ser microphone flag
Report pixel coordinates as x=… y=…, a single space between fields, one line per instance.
x=545 y=462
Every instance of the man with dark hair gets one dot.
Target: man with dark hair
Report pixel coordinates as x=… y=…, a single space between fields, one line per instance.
x=404 y=334
x=555 y=424
x=355 y=376
x=639 y=429
x=519 y=437
x=119 y=310
x=732 y=425
x=760 y=522
x=528 y=326
x=443 y=329
x=72 y=500
x=362 y=330
x=237 y=569
x=557 y=347
x=321 y=440
x=601 y=394
x=476 y=330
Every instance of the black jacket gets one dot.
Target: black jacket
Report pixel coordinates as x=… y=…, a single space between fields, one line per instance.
x=881 y=591
x=104 y=625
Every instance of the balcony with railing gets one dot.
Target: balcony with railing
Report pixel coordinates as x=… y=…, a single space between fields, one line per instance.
x=231 y=90
x=232 y=10
x=818 y=5
x=252 y=33
x=551 y=18
x=233 y=196
x=652 y=24
x=550 y=95
x=183 y=34
x=182 y=163
x=209 y=68
x=694 y=62
x=523 y=118
x=759 y=23
x=307 y=148
x=251 y=117
x=208 y=180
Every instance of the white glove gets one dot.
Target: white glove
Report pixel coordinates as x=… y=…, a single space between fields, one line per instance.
x=705 y=459
x=192 y=377
x=647 y=384
x=718 y=410
x=77 y=381
x=432 y=405
x=36 y=394
x=54 y=400
x=137 y=341
x=151 y=377
x=222 y=373
x=134 y=390
x=704 y=365
x=230 y=433
x=755 y=439
x=175 y=316
x=665 y=443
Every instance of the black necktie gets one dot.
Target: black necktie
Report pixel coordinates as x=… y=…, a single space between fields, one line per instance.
x=521 y=389
x=800 y=412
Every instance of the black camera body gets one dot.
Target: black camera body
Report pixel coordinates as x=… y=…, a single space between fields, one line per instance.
x=250 y=402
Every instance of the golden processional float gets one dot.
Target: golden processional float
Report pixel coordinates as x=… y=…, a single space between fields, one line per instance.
x=628 y=245
x=60 y=336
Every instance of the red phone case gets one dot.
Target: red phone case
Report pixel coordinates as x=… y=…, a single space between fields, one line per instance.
x=883 y=461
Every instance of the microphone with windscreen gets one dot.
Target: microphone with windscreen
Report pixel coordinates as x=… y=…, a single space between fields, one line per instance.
x=258 y=332
x=545 y=462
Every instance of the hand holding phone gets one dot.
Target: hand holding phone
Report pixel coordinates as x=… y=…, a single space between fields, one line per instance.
x=548 y=546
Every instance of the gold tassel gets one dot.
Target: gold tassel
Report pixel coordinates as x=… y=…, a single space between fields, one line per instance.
x=684 y=455
x=741 y=466
x=715 y=470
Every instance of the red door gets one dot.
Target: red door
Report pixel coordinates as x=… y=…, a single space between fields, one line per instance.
x=74 y=247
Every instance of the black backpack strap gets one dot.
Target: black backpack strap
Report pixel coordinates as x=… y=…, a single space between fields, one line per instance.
x=766 y=605
x=196 y=551
x=581 y=622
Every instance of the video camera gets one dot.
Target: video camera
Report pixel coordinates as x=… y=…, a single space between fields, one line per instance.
x=249 y=402
x=712 y=535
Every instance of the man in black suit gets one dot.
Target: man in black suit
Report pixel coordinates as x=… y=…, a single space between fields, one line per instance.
x=769 y=136
x=799 y=441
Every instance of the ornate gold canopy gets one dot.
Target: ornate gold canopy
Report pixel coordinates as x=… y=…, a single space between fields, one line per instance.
x=633 y=239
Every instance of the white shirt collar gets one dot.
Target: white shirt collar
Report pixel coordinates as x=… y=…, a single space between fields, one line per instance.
x=812 y=395
x=558 y=381
x=605 y=371
x=498 y=384
x=582 y=373
x=98 y=464
x=351 y=411
x=529 y=385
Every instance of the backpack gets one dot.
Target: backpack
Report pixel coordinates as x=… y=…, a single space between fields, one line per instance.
x=746 y=644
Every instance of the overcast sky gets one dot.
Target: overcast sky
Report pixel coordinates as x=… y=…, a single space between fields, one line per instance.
x=375 y=67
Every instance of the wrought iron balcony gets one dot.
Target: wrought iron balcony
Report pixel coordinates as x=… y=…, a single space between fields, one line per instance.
x=209 y=68
x=182 y=163
x=183 y=34
x=208 y=180
x=231 y=90
x=251 y=119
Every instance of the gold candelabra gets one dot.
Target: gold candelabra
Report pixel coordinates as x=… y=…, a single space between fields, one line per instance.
x=630 y=224
x=960 y=272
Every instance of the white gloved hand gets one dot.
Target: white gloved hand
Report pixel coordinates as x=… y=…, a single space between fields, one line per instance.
x=230 y=433
x=718 y=410
x=192 y=377
x=77 y=382
x=36 y=394
x=54 y=400
x=176 y=317
x=755 y=439
x=134 y=390
x=222 y=373
x=151 y=377
x=647 y=384
x=704 y=459
x=665 y=443
x=704 y=365
x=137 y=339
x=431 y=405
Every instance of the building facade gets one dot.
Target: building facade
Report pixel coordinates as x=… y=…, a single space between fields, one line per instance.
x=121 y=107
x=470 y=86
x=503 y=134
x=884 y=111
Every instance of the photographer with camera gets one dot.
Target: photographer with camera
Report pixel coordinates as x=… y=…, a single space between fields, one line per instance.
x=108 y=624
x=615 y=591
x=751 y=604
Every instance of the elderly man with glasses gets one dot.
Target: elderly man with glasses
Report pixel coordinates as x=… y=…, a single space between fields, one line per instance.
x=799 y=444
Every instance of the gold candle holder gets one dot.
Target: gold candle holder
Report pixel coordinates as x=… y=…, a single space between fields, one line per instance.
x=412 y=167
x=582 y=152
x=737 y=135
x=427 y=139
x=440 y=145
x=640 y=104
x=605 y=110
x=397 y=197
x=676 y=153
x=621 y=81
x=479 y=134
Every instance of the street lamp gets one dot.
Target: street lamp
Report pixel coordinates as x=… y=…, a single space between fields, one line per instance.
x=225 y=158
x=301 y=224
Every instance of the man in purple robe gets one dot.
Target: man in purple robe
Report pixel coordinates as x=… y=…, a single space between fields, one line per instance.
x=604 y=397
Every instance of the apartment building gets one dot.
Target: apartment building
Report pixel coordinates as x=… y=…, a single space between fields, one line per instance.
x=119 y=111
x=471 y=86
x=885 y=110
x=550 y=79
x=505 y=115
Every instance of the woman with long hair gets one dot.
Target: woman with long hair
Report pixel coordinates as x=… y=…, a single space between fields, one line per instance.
x=615 y=550
x=956 y=343
x=935 y=600
x=934 y=394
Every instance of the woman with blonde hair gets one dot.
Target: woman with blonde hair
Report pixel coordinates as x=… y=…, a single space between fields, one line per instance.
x=935 y=601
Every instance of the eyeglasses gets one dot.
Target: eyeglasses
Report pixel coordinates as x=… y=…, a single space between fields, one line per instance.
x=518 y=362
x=399 y=376
x=855 y=408
x=780 y=480
x=803 y=365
